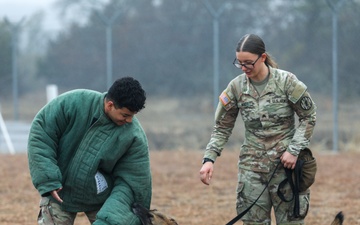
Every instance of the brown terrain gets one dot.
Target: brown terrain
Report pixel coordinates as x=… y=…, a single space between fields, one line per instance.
x=173 y=127
x=177 y=190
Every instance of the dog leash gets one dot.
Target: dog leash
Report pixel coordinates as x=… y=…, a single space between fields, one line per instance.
x=231 y=222
x=294 y=184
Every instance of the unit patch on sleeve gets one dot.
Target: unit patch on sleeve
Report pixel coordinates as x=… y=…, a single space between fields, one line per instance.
x=224 y=98
x=306 y=103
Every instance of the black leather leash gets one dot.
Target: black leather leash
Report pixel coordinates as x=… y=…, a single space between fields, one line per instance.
x=294 y=184
x=231 y=222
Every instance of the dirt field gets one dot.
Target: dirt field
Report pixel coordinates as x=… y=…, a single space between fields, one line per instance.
x=178 y=192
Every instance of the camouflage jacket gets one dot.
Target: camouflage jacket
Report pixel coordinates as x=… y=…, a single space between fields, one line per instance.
x=269 y=119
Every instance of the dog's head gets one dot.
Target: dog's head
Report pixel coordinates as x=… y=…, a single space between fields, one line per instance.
x=151 y=217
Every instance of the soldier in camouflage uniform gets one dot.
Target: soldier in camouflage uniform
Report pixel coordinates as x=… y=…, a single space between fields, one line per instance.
x=267 y=99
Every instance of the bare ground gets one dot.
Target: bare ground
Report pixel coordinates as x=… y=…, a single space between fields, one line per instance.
x=178 y=192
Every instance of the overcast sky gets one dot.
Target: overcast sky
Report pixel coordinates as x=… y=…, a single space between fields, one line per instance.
x=15 y=10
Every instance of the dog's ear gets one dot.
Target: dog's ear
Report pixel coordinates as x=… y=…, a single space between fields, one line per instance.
x=339 y=219
x=173 y=221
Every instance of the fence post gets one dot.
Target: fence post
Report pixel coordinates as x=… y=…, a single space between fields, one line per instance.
x=6 y=135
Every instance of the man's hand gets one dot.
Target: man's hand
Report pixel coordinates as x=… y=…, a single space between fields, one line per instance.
x=55 y=195
x=206 y=172
x=288 y=160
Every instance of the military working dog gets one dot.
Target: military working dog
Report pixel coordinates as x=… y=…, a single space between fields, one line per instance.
x=153 y=217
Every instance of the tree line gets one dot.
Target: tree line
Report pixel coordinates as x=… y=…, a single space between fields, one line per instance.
x=168 y=45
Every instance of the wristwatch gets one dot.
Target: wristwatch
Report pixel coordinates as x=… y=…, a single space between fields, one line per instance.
x=207 y=160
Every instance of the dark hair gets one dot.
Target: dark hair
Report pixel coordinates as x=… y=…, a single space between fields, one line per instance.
x=254 y=44
x=127 y=92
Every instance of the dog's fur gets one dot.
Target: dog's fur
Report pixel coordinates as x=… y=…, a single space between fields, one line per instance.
x=152 y=217
x=339 y=219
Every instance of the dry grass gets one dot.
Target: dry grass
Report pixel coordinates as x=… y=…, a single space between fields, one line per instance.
x=177 y=190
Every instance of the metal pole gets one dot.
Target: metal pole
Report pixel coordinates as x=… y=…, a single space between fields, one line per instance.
x=216 y=15
x=15 y=30
x=14 y=44
x=109 y=55
x=335 y=82
x=216 y=62
x=109 y=22
x=335 y=9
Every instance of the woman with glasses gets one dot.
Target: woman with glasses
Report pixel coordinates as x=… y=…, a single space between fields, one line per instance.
x=267 y=99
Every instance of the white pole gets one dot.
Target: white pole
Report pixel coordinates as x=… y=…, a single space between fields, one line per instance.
x=6 y=135
x=51 y=92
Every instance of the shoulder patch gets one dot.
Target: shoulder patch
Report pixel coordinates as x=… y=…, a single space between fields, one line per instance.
x=296 y=91
x=224 y=98
x=306 y=103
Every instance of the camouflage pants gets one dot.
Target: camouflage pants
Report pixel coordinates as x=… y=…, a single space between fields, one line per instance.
x=251 y=184
x=52 y=214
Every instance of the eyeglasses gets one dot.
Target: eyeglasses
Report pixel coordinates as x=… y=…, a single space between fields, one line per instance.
x=239 y=65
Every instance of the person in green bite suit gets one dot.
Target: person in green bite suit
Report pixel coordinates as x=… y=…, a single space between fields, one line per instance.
x=88 y=153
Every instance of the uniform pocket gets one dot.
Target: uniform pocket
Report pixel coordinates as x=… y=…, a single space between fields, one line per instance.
x=239 y=194
x=304 y=203
x=45 y=216
x=304 y=199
